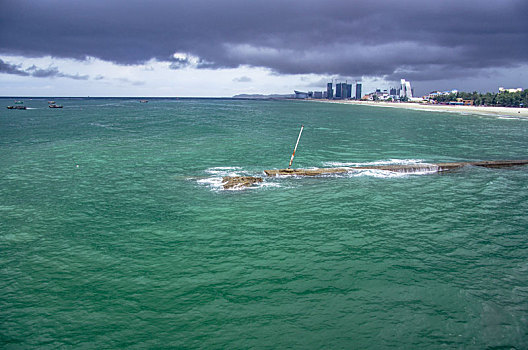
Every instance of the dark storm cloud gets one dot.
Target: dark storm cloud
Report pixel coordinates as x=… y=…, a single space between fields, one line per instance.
x=421 y=39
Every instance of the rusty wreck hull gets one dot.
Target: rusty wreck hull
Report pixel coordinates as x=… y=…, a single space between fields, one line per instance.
x=236 y=182
x=434 y=167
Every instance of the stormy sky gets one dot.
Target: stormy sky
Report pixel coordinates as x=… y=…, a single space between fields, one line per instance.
x=137 y=47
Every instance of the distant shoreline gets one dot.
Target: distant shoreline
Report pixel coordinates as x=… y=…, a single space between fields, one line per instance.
x=480 y=110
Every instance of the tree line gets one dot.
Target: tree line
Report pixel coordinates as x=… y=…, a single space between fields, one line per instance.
x=503 y=99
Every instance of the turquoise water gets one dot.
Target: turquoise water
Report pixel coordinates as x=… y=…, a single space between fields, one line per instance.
x=115 y=231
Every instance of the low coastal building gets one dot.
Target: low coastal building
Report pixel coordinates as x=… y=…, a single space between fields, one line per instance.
x=501 y=89
x=310 y=94
x=318 y=94
x=434 y=94
x=461 y=102
x=300 y=94
x=379 y=95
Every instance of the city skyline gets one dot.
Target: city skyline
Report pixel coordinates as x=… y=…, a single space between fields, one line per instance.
x=224 y=48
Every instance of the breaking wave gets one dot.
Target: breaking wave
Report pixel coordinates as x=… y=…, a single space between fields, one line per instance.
x=375 y=163
x=389 y=174
x=216 y=174
x=421 y=168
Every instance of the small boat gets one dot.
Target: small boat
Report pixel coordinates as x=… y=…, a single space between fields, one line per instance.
x=19 y=102
x=16 y=107
x=55 y=106
x=51 y=102
x=143 y=101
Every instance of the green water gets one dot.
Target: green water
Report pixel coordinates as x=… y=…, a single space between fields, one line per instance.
x=115 y=232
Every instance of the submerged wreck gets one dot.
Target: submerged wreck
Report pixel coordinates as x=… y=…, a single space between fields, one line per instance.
x=238 y=182
x=413 y=168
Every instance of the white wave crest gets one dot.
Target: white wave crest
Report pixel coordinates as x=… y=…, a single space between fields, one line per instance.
x=377 y=162
x=514 y=118
x=388 y=174
x=226 y=171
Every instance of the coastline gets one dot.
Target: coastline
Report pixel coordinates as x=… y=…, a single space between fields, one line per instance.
x=480 y=110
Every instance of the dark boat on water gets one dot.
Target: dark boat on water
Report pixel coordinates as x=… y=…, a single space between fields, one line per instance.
x=16 y=107
x=55 y=106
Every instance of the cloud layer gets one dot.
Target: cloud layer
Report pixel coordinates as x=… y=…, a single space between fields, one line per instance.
x=421 y=40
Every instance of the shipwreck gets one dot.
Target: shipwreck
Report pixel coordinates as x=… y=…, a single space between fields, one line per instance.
x=248 y=181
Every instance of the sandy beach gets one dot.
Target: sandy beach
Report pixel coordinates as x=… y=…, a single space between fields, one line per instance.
x=490 y=111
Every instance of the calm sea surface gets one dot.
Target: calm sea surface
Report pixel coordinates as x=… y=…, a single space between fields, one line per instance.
x=115 y=232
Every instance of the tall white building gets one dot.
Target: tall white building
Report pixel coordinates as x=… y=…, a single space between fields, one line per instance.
x=405 y=89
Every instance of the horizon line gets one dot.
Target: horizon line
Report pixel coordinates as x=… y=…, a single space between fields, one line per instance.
x=142 y=97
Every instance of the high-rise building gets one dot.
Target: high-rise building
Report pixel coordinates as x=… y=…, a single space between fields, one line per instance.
x=405 y=89
x=329 y=91
x=348 y=91
x=343 y=91
x=339 y=91
x=358 y=91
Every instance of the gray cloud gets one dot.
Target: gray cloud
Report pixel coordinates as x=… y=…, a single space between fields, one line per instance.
x=179 y=64
x=131 y=82
x=34 y=71
x=9 y=68
x=52 y=72
x=243 y=79
x=423 y=40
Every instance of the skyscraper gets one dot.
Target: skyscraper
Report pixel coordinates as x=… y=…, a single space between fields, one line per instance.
x=405 y=89
x=329 y=91
x=348 y=91
x=358 y=91
x=343 y=91
x=338 y=91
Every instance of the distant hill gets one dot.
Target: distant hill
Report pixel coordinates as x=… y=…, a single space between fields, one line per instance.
x=260 y=96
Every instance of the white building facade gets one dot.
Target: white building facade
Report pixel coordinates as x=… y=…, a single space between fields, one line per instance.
x=405 y=89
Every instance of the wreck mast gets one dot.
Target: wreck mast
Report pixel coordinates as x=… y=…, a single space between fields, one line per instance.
x=295 y=149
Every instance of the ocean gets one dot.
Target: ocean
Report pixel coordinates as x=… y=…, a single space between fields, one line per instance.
x=115 y=230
